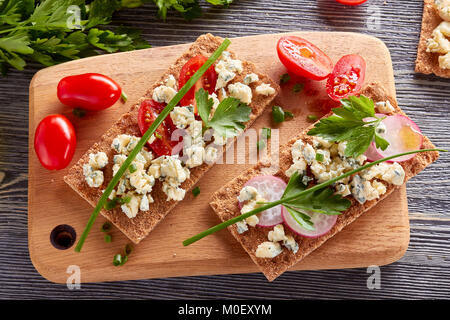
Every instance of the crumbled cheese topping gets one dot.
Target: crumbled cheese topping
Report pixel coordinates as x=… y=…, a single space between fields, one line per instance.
x=240 y=91
x=265 y=89
x=364 y=187
x=163 y=94
x=182 y=117
x=92 y=170
x=268 y=249
x=171 y=82
x=439 y=42
x=384 y=107
x=277 y=234
x=250 y=78
x=226 y=69
x=247 y=193
x=443 y=8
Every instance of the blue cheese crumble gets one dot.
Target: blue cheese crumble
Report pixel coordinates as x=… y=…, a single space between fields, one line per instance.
x=370 y=184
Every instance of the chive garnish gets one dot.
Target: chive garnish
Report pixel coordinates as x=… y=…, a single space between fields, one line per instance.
x=146 y=136
x=123 y=97
x=319 y=157
x=128 y=249
x=277 y=114
x=132 y=168
x=108 y=238
x=260 y=144
x=288 y=114
x=298 y=87
x=284 y=78
x=196 y=191
x=269 y=205
x=266 y=133
x=80 y=113
x=312 y=117
x=117 y=260
x=106 y=227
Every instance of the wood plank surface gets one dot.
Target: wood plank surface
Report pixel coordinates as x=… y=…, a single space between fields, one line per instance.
x=52 y=203
x=422 y=273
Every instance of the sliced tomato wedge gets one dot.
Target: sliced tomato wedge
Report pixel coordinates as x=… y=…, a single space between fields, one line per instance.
x=351 y=2
x=347 y=77
x=163 y=145
x=303 y=58
x=207 y=81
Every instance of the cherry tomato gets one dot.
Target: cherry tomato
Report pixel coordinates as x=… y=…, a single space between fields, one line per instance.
x=303 y=58
x=351 y=2
x=88 y=91
x=207 y=81
x=55 y=142
x=347 y=77
x=148 y=111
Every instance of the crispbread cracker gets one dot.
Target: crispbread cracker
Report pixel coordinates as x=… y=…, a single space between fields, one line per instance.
x=225 y=203
x=139 y=227
x=427 y=62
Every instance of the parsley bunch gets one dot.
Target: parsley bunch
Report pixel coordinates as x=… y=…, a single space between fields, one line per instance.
x=54 y=31
x=350 y=123
x=189 y=9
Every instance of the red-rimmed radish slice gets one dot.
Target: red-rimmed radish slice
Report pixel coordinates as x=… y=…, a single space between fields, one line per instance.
x=402 y=134
x=270 y=188
x=322 y=224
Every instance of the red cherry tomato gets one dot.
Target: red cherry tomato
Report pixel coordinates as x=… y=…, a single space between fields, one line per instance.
x=351 y=2
x=148 y=111
x=88 y=91
x=303 y=58
x=347 y=77
x=207 y=81
x=55 y=142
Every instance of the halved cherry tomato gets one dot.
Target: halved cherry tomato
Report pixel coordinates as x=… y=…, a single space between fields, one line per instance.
x=88 y=91
x=303 y=58
x=207 y=81
x=55 y=142
x=347 y=77
x=148 y=111
x=351 y=2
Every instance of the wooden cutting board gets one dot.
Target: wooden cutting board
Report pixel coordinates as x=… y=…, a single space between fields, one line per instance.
x=379 y=237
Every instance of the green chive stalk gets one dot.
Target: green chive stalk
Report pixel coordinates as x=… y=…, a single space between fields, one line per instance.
x=269 y=205
x=146 y=136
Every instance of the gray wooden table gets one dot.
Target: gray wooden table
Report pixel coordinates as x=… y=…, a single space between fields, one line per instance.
x=424 y=272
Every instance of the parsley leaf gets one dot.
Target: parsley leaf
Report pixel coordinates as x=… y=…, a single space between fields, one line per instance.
x=349 y=123
x=229 y=117
x=322 y=201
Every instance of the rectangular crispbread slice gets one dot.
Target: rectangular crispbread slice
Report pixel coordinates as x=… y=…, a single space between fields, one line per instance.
x=427 y=62
x=224 y=202
x=139 y=227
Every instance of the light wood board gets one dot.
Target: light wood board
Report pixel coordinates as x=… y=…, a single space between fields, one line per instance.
x=379 y=237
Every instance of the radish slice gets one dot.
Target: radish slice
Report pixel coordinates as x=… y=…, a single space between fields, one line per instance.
x=270 y=188
x=402 y=134
x=322 y=224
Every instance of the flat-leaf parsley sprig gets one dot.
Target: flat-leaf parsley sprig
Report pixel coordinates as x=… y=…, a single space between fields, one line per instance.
x=321 y=201
x=229 y=117
x=297 y=195
x=355 y=122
